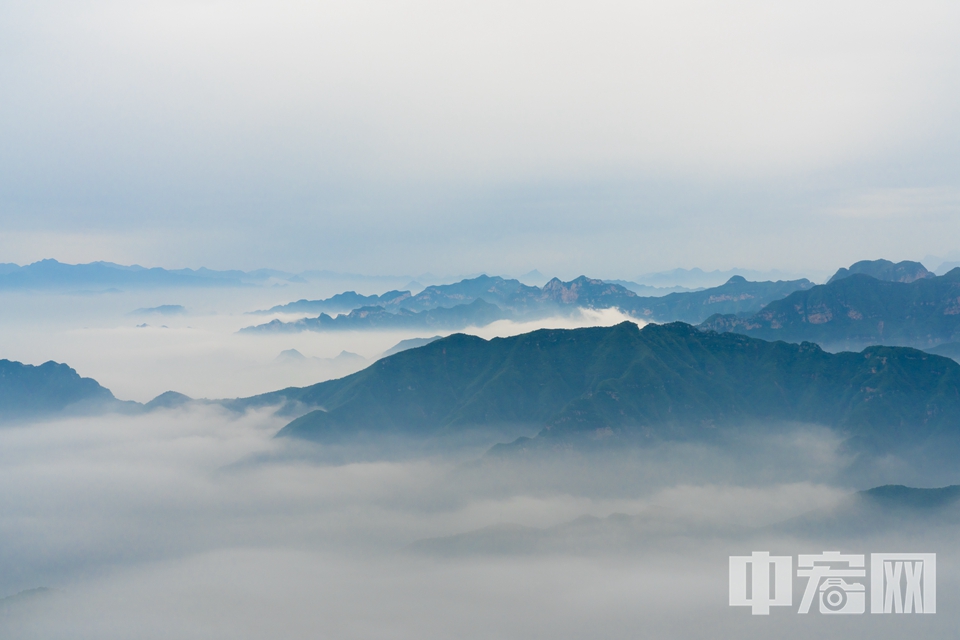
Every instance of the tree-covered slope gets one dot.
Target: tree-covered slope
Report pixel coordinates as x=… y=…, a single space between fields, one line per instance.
x=664 y=381
x=859 y=310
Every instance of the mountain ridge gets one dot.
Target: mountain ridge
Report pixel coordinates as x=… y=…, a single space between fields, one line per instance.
x=858 y=310
x=39 y=391
x=626 y=384
x=518 y=301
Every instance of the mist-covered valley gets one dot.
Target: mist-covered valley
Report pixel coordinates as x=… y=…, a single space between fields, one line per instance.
x=465 y=487
x=198 y=523
x=501 y=320
x=198 y=351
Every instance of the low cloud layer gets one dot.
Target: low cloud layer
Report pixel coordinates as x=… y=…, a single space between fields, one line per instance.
x=199 y=524
x=199 y=352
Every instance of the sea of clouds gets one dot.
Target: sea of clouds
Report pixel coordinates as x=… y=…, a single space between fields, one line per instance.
x=197 y=522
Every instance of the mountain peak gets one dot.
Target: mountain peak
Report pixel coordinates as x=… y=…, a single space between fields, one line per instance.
x=905 y=271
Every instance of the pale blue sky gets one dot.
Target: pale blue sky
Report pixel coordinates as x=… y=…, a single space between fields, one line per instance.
x=610 y=138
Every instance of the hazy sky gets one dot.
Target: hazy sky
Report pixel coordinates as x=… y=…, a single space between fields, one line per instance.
x=608 y=138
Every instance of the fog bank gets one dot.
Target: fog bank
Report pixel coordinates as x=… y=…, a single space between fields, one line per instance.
x=198 y=524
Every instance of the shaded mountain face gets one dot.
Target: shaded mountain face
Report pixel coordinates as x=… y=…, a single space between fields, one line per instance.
x=906 y=271
x=28 y=391
x=859 y=310
x=626 y=384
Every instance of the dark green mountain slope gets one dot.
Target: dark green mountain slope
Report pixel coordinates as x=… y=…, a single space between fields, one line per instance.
x=859 y=310
x=661 y=382
x=28 y=391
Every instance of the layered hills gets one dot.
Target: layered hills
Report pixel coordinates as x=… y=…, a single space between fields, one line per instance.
x=340 y=303
x=518 y=301
x=624 y=383
x=858 y=310
x=736 y=296
x=477 y=313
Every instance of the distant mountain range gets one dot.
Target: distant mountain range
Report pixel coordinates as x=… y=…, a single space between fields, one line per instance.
x=105 y=276
x=162 y=310
x=511 y=295
x=736 y=296
x=477 y=313
x=590 y=387
x=471 y=302
x=623 y=384
x=518 y=301
x=647 y=290
x=905 y=271
x=340 y=303
x=859 y=310
x=697 y=278
x=50 y=274
x=30 y=392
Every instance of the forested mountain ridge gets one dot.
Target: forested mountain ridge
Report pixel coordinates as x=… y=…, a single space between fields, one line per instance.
x=660 y=382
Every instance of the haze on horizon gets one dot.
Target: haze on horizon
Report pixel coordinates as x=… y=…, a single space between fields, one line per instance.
x=611 y=139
